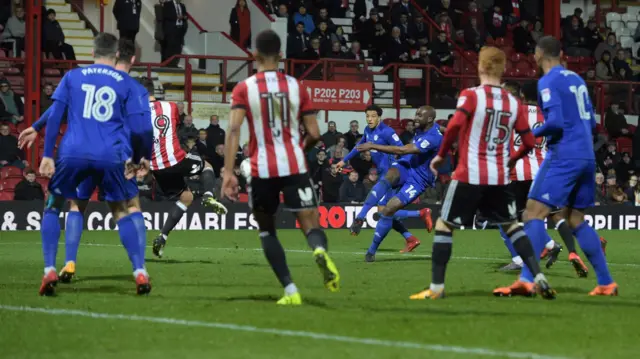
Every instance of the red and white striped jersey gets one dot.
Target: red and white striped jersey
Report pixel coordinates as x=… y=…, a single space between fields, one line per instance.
x=166 y=145
x=274 y=103
x=487 y=116
x=527 y=167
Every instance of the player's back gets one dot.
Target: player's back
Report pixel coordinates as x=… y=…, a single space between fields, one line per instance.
x=274 y=105
x=483 y=143
x=95 y=96
x=565 y=89
x=167 y=151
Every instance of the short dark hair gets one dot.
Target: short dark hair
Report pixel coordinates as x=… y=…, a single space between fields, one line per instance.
x=29 y=171
x=375 y=108
x=126 y=50
x=50 y=11
x=268 y=43
x=105 y=45
x=147 y=83
x=513 y=87
x=300 y=23
x=352 y=122
x=550 y=46
x=530 y=91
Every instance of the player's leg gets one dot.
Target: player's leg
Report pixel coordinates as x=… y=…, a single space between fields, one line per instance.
x=208 y=181
x=566 y=233
x=133 y=206
x=379 y=190
x=50 y=234
x=516 y=260
x=300 y=197
x=384 y=225
x=520 y=190
x=399 y=177
x=172 y=183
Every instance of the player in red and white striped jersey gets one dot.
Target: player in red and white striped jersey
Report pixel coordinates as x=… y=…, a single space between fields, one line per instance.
x=170 y=164
x=483 y=123
x=274 y=104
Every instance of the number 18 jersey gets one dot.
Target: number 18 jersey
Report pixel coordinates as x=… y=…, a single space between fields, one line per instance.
x=274 y=105
x=484 y=148
x=97 y=99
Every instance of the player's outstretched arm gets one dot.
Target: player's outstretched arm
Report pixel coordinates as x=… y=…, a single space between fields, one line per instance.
x=354 y=151
x=29 y=135
x=394 y=150
x=53 y=127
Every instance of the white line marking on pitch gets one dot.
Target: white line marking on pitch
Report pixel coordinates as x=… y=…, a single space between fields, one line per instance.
x=282 y=332
x=308 y=251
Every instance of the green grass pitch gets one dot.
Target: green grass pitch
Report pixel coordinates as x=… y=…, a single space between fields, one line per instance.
x=214 y=297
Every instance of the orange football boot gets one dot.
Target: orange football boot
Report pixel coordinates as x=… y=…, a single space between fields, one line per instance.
x=49 y=282
x=143 y=285
x=603 y=244
x=425 y=214
x=605 y=290
x=517 y=288
x=578 y=265
x=412 y=243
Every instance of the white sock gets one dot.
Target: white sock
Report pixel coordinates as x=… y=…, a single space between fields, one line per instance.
x=49 y=269
x=436 y=287
x=550 y=245
x=208 y=193
x=140 y=271
x=320 y=248
x=540 y=277
x=290 y=289
x=517 y=260
x=164 y=236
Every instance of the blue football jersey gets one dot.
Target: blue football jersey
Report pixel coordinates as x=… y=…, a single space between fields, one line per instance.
x=96 y=98
x=381 y=135
x=138 y=103
x=428 y=142
x=565 y=93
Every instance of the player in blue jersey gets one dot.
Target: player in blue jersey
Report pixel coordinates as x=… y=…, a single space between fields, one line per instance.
x=379 y=133
x=412 y=167
x=107 y=139
x=567 y=175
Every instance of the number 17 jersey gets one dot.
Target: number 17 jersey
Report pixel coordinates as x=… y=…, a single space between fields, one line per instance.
x=274 y=105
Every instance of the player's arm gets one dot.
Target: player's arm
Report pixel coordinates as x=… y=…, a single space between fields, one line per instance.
x=394 y=150
x=138 y=119
x=232 y=139
x=354 y=151
x=551 y=104
x=309 y=120
x=42 y=122
x=527 y=138
x=53 y=127
x=464 y=110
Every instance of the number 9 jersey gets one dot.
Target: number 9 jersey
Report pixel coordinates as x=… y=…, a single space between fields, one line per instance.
x=527 y=168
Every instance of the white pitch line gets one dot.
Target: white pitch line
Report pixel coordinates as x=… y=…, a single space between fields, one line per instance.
x=283 y=332
x=383 y=254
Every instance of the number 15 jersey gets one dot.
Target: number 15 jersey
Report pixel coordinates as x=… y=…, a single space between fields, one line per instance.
x=274 y=105
x=487 y=116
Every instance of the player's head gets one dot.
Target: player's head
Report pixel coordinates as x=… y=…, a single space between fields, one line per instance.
x=147 y=83
x=105 y=47
x=268 y=48
x=513 y=88
x=529 y=92
x=425 y=117
x=374 y=114
x=491 y=63
x=548 y=52
x=126 y=53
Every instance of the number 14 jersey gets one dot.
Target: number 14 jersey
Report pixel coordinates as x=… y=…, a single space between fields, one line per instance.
x=490 y=115
x=274 y=105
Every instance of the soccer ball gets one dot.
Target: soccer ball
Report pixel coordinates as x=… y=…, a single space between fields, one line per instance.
x=245 y=168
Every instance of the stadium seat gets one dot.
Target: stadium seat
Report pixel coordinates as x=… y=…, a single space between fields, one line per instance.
x=51 y=72
x=624 y=31
x=8 y=184
x=601 y=129
x=572 y=60
x=10 y=172
x=624 y=144
x=586 y=60
x=627 y=17
x=533 y=73
x=616 y=25
x=517 y=57
x=404 y=121
x=632 y=128
x=632 y=25
x=44 y=182
x=499 y=41
x=626 y=42
x=446 y=69
x=490 y=41
x=6 y=196
x=11 y=71
x=613 y=16
x=523 y=67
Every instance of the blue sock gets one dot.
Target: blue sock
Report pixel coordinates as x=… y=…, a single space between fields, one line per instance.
x=507 y=243
x=129 y=230
x=590 y=244
x=50 y=233
x=72 y=234
x=400 y=228
x=377 y=192
x=537 y=233
x=382 y=229
x=403 y=213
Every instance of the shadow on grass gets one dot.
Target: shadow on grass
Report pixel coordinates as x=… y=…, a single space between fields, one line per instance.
x=116 y=277
x=270 y=299
x=176 y=261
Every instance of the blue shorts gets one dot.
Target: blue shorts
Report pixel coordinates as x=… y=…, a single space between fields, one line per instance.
x=405 y=173
x=73 y=173
x=561 y=184
x=411 y=190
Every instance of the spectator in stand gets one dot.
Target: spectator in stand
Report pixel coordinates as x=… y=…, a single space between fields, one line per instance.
x=362 y=163
x=271 y=7
x=322 y=33
x=352 y=191
x=313 y=153
x=601 y=190
x=401 y=7
x=181 y=113
x=577 y=14
x=201 y=146
x=575 y=43
x=445 y=24
x=331 y=182
x=338 y=36
x=604 y=67
x=403 y=25
x=217 y=161
x=615 y=194
x=625 y=168
x=633 y=191
x=10 y=154
x=187 y=130
x=522 y=40
x=330 y=138
x=371 y=29
x=318 y=167
x=336 y=51
x=444 y=6
x=45 y=97
x=339 y=150
x=28 y=189
x=353 y=134
x=174 y=26
x=397 y=50
x=418 y=31
x=615 y=122
x=283 y=12
x=5 y=12
x=54 y=38
x=15 y=30
x=620 y=62
x=441 y=54
x=473 y=36
x=538 y=31
x=409 y=132
x=371 y=179
x=305 y=18
x=11 y=105
x=496 y=23
x=422 y=57
x=611 y=46
x=215 y=134
x=473 y=13
x=355 y=52
x=240 y=21
x=298 y=43
x=145 y=187
x=323 y=15
x=592 y=36
x=314 y=52
x=127 y=15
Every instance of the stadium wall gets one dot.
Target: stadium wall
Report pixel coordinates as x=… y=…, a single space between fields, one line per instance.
x=18 y=215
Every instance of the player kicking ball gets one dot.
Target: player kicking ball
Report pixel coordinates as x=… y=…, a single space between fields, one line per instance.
x=412 y=167
x=567 y=176
x=485 y=119
x=379 y=133
x=275 y=104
